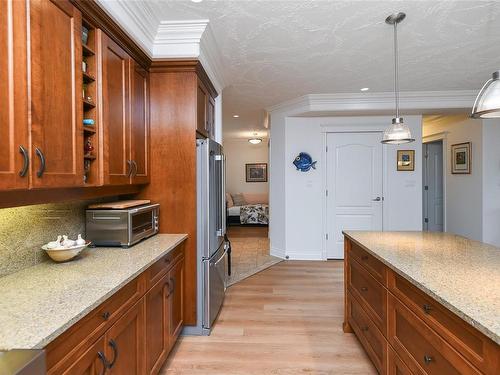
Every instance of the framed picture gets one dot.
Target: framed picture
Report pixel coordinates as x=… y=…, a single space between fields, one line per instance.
x=256 y=172
x=461 y=158
x=406 y=160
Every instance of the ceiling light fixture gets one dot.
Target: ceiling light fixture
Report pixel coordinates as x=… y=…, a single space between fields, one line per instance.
x=364 y=89
x=487 y=104
x=196 y=1
x=398 y=132
x=255 y=140
x=236 y=116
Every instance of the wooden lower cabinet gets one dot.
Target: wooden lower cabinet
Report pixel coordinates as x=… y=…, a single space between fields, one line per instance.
x=405 y=331
x=134 y=339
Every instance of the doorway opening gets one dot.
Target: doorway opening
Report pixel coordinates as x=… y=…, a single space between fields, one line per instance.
x=433 y=191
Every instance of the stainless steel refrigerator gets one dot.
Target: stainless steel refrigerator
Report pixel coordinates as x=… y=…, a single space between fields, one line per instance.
x=213 y=263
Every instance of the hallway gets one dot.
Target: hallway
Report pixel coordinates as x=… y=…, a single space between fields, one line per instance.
x=284 y=320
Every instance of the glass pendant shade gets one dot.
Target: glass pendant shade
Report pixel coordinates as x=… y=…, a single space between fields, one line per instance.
x=398 y=133
x=487 y=104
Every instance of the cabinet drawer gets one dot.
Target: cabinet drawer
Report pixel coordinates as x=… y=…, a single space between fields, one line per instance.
x=66 y=348
x=372 y=264
x=395 y=366
x=423 y=350
x=368 y=334
x=370 y=292
x=162 y=266
x=472 y=344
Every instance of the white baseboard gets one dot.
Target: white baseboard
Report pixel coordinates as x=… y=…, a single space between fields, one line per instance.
x=305 y=255
x=279 y=253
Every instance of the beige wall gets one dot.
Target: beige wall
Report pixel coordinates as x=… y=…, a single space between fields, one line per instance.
x=238 y=153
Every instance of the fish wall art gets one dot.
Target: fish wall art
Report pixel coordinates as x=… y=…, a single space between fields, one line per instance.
x=303 y=162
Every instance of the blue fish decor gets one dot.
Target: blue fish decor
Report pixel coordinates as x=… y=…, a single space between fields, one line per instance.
x=303 y=162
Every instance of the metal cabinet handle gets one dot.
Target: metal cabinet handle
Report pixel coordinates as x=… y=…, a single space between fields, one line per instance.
x=169 y=290
x=364 y=257
x=364 y=289
x=428 y=359
x=378 y=199
x=134 y=164
x=40 y=171
x=26 y=159
x=105 y=315
x=104 y=362
x=172 y=284
x=364 y=329
x=130 y=168
x=113 y=345
x=427 y=308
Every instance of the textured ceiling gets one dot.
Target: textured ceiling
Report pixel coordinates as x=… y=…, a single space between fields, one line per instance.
x=273 y=51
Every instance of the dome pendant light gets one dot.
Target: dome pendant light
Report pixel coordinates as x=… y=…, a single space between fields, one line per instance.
x=398 y=132
x=487 y=104
x=255 y=140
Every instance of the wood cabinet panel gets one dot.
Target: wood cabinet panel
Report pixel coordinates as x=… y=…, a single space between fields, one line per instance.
x=125 y=342
x=211 y=117
x=201 y=110
x=56 y=92
x=471 y=343
x=14 y=154
x=139 y=125
x=370 y=292
x=395 y=366
x=376 y=268
x=92 y=362
x=161 y=267
x=176 y=297
x=421 y=348
x=115 y=112
x=157 y=325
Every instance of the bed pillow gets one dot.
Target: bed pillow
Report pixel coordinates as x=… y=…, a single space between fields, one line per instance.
x=239 y=199
x=229 y=200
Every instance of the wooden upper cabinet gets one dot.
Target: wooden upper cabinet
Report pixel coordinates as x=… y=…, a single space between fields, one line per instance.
x=14 y=153
x=139 y=124
x=201 y=110
x=56 y=94
x=211 y=117
x=117 y=165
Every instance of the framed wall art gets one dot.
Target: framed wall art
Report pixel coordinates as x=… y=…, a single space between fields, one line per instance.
x=256 y=172
x=461 y=158
x=406 y=160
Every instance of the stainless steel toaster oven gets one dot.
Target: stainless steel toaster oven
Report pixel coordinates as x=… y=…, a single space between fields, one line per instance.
x=121 y=227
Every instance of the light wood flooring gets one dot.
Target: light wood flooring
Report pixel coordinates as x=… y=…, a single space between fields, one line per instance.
x=286 y=319
x=250 y=252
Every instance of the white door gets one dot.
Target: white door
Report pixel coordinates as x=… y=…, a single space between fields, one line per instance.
x=433 y=187
x=354 y=186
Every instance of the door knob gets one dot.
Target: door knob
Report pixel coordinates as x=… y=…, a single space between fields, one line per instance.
x=378 y=199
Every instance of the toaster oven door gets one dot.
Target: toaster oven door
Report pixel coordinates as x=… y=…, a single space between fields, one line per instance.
x=143 y=223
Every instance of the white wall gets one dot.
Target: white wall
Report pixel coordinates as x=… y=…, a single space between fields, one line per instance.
x=300 y=213
x=238 y=153
x=463 y=192
x=491 y=182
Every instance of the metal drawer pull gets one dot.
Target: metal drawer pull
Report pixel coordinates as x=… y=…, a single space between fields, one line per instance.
x=130 y=168
x=364 y=257
x=427 y=308
x=364 y=289
x=40 y=171
x=172 y=283
x=169 y=290
x=167 y=260
x=113 y=345
x=104 y=362
x=364 y=329
x=105 y=315
x=135 y=168
x=26 y=164
x=428 y=359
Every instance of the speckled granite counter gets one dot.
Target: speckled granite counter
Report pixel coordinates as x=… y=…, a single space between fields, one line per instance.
x=462 y=274
x=39 y=303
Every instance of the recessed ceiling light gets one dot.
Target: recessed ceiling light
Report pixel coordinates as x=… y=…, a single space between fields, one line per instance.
x=196 y=1
x=255 y=141
x=365 y=89
x=236 y=116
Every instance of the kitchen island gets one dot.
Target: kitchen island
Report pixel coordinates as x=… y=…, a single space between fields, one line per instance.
x=108 y=300
x=423 y=303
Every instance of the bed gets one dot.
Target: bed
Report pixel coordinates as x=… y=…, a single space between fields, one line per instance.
x=253 y=209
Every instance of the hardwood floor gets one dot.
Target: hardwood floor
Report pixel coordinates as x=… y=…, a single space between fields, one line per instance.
x=284 y=320
x=236 y=231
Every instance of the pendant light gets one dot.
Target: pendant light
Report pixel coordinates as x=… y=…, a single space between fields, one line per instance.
x=487 y=104
x=255 y=140
x=398 y=132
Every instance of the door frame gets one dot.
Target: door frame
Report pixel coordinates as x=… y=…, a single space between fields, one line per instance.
x=442 y=136
x=347 y=128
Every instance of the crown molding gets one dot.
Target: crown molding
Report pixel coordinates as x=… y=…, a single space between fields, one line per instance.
x=178 y=39
x=383 y=101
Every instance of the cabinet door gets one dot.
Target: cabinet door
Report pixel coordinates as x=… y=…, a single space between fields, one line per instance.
x=14 y=155
x=211 y=117
x=176 y=300
x=115 y=113
x=157 y=325
x=139 y=125
x=201 y=110
x=125 y=342
x=56 y=94
x=92 y=362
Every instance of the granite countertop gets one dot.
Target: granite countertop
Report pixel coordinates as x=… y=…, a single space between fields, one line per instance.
x=462 y=274
x=41 y=302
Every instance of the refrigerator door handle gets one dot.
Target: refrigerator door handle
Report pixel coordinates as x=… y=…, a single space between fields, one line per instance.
x=221 y=215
